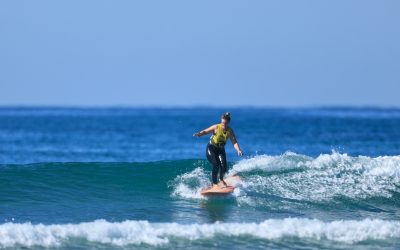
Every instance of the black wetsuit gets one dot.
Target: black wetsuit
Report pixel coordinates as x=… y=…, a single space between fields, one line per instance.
x=217 y=157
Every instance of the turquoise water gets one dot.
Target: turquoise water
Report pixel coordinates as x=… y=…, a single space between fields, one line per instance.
x=130 y=179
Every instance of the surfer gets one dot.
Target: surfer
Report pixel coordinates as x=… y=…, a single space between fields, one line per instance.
x=216 y=147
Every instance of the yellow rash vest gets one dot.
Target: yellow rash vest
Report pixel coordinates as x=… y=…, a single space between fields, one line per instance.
x=220 y=137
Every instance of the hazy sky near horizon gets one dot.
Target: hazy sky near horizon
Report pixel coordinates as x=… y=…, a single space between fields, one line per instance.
x=174 y=53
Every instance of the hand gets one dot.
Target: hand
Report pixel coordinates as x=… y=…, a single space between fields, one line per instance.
x=196 y=134
x=240 y=153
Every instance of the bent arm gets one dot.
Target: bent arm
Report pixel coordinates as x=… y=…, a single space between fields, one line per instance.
x=206 y=131
x=235 y=144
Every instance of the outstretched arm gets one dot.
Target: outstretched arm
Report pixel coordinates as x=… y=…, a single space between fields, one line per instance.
x=206 y=131
x=235 y=144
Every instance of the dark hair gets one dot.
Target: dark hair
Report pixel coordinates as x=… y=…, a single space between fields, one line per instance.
x=226 y=116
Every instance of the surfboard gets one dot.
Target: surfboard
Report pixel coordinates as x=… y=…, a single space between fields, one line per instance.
x=231 y=182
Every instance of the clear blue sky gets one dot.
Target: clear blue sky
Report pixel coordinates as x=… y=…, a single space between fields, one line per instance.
x=173 y=53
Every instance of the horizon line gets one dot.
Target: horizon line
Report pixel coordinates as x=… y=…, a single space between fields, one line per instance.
x=117 y=106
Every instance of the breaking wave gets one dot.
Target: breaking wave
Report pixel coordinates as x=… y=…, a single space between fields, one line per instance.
x=301 y=177
x=143 y=232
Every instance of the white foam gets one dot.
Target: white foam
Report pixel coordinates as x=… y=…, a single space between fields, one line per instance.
x=314 y=179
x=321 y=178
x=143 y=232
x=288 y=160
x=189 y=185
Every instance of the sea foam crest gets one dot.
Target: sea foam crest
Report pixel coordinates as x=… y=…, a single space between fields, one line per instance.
x=288 y=160
x=322 y=178
x=143 y=232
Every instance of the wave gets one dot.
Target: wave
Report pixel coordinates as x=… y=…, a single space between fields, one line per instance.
x=323 y=178
x=144 y=232
x=288 y=176
x=300 y=177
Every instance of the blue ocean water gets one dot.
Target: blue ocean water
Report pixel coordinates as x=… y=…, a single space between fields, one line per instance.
x=129 y=178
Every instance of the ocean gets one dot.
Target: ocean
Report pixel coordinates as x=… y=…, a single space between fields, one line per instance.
x=129 y=178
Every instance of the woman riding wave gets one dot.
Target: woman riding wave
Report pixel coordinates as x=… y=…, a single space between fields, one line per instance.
x=216 y=147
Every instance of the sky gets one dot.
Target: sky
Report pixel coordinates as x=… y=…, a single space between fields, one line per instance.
x=208 y=53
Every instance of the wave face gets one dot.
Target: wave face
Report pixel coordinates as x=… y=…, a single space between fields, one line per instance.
x=143 y=233
x=303 y=178
x=292 y=184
